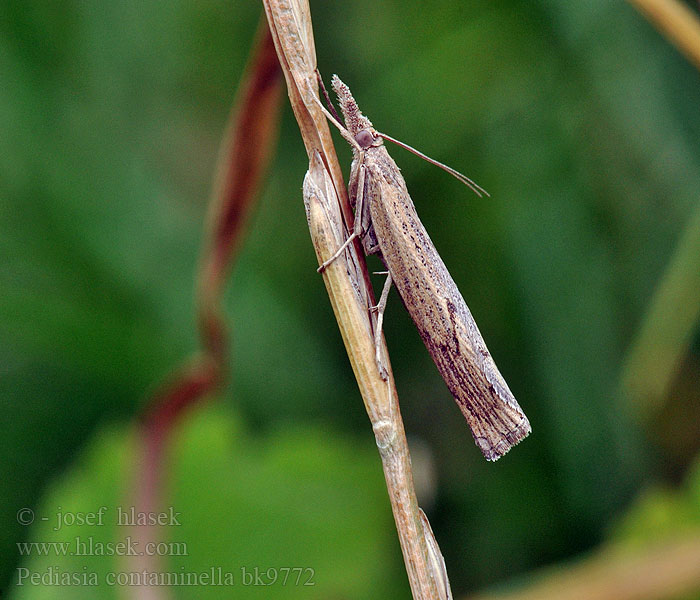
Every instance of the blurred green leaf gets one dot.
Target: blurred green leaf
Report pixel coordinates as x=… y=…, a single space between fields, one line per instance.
x=297 y=497
x=579 y=119
x=661 y=513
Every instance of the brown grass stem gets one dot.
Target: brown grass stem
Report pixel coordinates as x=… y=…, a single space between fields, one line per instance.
x=663 y=571
x=674 y=19
x=348 y=285
x=667 y=328
x=243 y=158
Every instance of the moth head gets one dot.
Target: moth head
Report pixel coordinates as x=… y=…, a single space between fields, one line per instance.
x=367 y=138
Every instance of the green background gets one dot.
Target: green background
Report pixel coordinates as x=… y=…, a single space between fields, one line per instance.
x=581 y=122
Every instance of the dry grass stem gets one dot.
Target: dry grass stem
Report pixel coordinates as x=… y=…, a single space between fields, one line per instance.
x=680 y=24
x=244 y=156
x=666 y=332
x=665 y=571
x=350 y=292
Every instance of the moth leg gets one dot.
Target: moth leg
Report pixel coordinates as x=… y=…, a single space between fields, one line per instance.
x=357 y=226
x=379 y=309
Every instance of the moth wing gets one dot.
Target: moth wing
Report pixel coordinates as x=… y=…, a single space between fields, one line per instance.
x=442 y=317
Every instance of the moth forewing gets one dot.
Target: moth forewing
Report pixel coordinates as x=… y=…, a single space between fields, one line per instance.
x=392 y=229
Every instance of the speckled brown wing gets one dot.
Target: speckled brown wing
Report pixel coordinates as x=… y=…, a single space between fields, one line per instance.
x=439 y=311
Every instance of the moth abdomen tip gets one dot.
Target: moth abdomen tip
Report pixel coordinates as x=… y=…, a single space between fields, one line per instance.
x=493 y=451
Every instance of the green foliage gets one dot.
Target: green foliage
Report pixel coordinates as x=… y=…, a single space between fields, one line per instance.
x=579 y=119
x=662 y=512
x=236 y=505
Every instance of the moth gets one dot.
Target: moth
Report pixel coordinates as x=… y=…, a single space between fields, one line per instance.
x=388 y=225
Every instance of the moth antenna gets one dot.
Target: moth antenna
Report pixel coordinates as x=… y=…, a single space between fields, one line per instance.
x=476 y=188
x=326 y=96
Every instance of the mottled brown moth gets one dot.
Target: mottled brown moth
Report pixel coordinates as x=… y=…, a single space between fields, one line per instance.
x=387 y=224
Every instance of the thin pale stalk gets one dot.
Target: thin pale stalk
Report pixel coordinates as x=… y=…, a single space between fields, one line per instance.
x=348 y=284
x=667 y=328
x=350 y=300
x=665 y=571
x=680 y=24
